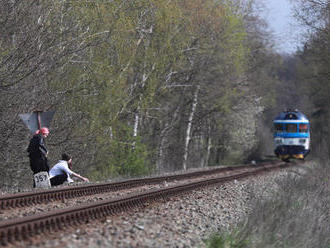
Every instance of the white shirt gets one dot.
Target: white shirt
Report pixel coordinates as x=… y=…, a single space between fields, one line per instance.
x=60 y=168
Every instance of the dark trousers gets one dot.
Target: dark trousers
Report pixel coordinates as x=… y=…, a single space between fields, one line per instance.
x=38 y=164
x=59 y=179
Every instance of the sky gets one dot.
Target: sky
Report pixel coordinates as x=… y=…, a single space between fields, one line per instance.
x=288 y=33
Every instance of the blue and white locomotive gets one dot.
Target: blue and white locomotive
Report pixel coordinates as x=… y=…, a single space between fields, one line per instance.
x=291 y=135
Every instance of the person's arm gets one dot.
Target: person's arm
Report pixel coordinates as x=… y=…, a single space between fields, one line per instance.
x=81 y=177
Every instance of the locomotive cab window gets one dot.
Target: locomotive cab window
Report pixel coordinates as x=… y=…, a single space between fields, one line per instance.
x=278 y=127
x=291 y=128
x=303 y=128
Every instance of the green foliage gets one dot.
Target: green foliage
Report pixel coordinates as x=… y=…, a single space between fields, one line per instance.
x=122 y=155
x=226 y=241
x=140 y=44
x=131 y=161
x=125 y=64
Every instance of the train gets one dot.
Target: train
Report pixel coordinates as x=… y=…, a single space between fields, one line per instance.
x=291 y=135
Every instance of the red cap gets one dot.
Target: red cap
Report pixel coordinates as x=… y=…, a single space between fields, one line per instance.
x=43 y=130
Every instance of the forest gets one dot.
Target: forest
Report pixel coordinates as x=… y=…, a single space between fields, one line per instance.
x=152 y=86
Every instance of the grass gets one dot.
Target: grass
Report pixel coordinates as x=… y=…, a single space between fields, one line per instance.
x=226 y=241
x=296 y=216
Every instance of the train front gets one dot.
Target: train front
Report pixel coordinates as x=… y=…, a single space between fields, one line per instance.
x=291 y=135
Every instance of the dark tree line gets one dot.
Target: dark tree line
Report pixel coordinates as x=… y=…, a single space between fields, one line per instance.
x=307 y=72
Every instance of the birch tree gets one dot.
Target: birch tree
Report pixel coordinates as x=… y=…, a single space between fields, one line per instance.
x=189 y=125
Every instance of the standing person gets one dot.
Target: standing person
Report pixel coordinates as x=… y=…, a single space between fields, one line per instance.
x=38 y=152
x=61 y=172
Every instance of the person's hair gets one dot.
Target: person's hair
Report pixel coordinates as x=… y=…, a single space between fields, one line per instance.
x=65 y=157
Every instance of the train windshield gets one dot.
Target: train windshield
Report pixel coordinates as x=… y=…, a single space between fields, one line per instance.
x=291 y=128
x=278 y=127
x=303 y=128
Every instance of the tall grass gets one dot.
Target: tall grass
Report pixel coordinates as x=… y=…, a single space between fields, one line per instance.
x=296 y=215
x=230 y=240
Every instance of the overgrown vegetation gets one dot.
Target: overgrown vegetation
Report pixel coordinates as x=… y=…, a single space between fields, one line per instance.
x=228 y=240
x=296 y=215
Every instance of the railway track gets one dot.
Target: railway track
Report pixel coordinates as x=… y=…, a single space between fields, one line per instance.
x=27 y=227
x=17 y=200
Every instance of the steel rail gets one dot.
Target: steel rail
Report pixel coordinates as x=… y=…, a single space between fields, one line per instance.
x=27 y=227
x=10 y=201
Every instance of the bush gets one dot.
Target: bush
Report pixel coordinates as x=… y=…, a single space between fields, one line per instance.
x=124 y=159
x=226 y=241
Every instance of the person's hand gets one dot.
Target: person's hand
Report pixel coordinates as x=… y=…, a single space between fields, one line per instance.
x=85 y=179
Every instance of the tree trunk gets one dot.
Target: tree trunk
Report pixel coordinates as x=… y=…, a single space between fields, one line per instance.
x=136 y=126
x=208 y=149
x=164 y=138
x=188 y=133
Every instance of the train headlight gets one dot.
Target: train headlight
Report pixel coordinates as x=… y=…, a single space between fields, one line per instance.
x=302 y=141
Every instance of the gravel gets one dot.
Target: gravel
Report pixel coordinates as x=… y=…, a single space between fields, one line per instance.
x=181 y=221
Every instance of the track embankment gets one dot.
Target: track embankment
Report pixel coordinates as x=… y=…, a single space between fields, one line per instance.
x=25 y=228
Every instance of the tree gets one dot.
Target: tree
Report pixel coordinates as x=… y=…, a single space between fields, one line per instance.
x=313 y=70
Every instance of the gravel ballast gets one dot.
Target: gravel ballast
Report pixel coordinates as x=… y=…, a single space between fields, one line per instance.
x=181 y=221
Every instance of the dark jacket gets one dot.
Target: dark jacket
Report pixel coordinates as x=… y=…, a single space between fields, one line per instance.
x=38 y=154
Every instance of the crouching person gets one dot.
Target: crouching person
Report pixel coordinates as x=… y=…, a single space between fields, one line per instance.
x=61 y=172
